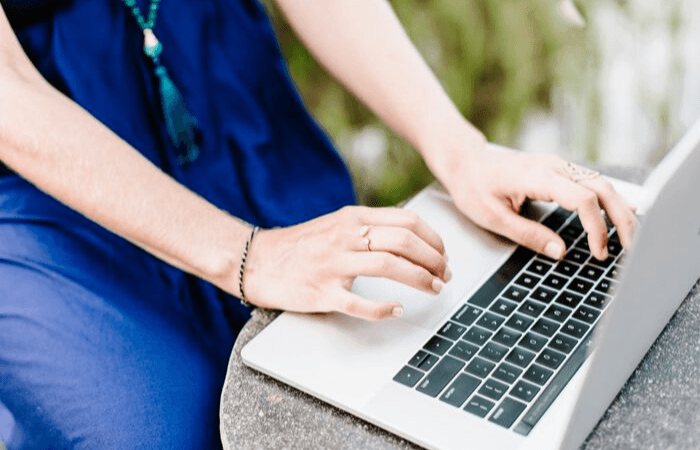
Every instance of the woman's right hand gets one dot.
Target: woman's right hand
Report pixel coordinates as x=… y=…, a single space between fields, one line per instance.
x=311 y=267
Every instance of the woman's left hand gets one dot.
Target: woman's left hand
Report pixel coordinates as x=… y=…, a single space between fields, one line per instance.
x=491 y=185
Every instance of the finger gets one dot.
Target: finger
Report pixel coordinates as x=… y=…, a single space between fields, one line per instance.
x=575 y=197
x=621 y=215
x=356 y=306
x=404 y=218
x=528 y=233
x=406 y=244
x=387 y=265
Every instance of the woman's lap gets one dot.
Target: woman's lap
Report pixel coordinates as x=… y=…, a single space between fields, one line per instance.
x=115 y=368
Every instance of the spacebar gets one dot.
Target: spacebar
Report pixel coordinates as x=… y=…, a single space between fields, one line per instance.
x=558 y=383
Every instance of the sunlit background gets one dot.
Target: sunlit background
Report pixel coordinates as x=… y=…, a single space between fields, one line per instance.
x=608 y=81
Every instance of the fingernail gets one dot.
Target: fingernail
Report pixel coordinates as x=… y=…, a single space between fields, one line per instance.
x=554 y=250
x=438 y=284
x=448 y=275
x=397 y=311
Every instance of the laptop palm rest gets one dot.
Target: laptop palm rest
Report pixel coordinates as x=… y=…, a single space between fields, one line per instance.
x=474 y=254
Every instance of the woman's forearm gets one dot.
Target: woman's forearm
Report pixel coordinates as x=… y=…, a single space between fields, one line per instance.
x=363 y=44
x=56 y=145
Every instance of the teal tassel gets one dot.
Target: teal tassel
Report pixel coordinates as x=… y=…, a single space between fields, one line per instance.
x=180 y=123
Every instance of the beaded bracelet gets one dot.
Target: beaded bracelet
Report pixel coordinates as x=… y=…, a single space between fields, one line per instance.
x=243 y=261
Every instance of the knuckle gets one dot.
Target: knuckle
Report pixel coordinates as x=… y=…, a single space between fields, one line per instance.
x=406 y=239
x=606 y=187
x=589 y=199
x=384 y=263
x=412 y=219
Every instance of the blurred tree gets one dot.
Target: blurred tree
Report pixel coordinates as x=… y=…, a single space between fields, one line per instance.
x=494 y=58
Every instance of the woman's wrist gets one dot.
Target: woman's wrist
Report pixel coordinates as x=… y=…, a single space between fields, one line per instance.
x=450 y=148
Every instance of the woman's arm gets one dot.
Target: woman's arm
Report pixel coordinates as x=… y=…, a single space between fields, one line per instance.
x=362 y=43
x=64 y=151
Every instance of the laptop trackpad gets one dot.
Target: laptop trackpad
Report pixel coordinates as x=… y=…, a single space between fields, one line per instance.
x=474 y=255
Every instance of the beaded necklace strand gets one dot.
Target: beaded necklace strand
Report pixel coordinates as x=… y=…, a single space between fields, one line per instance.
x=180 y=123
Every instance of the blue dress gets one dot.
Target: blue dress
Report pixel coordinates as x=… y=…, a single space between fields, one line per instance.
x=103 y=346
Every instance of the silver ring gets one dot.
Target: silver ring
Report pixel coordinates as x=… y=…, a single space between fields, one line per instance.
x=578 y=174
x=364 y=229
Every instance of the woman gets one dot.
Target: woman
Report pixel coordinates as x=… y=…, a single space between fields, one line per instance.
x=124 y=226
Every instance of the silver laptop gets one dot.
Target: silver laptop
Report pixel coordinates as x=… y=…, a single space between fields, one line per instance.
x=518 y=351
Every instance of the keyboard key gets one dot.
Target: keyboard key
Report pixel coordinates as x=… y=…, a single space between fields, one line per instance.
x=440 y=376
x=527 y=280
x=577 y=256
x=569 y=299
x=519 y=322
x=467 y=315
x=532 y=309
x=437 y=345
x=607 y=286
x=556 y=219
x=614 y=247
x=408 y=376
x=480 y=367
x=488 y=292
x=490 y=321
x=576 y=222
x=597 y=300
x=550 y=358
x=493 y=389
x=461 y=388
x=555 y=282
x=570 y=232
x=614 y=272
x=508 y=373
x=591 y=272
x=507 y=337
x=557 y=313
x=580 y=286
x=533 y=342
x=520 y=357
x=582 y=243
x=605 y=263
x=493 y=351
x=537 y=374
x=538 y=267
x=543 y=295
x=515 y=293
x=464 y=350
x=586 y=314
x=423 y=360
x=477 y=335
x=479 y=406
x=545 y=327
x=575 y=328
x=563 y=343
x=566 y=268
x=507 y=412
x=503 y=307
x=452 y=331
x=524 y=391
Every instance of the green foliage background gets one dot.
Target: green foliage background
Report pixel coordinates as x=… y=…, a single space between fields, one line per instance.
x=495 y=59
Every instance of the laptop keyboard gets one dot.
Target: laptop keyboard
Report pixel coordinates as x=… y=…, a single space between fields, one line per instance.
x=509 y=351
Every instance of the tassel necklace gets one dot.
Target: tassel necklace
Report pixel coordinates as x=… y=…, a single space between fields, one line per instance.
x=180 y=123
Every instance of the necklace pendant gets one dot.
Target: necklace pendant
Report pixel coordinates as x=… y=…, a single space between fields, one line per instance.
x=151 y=45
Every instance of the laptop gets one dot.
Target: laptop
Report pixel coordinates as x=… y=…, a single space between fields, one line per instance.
x=518 y=351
